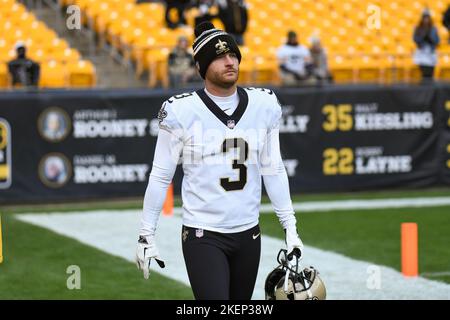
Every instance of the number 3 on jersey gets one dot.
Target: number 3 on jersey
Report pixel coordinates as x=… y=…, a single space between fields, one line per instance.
x=238 y=164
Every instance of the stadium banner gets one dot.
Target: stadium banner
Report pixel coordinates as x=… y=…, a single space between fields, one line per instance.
x=444 y=143
x=344 y=139
x=69 y=145
x=76 y=145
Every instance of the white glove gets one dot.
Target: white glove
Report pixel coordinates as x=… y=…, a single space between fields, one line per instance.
x=293 y=241
x=147 y=250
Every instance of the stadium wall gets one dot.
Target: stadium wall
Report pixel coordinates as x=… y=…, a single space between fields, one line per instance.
x=69 y=145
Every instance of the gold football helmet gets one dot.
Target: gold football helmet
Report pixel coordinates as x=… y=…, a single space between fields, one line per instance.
x=287 y=282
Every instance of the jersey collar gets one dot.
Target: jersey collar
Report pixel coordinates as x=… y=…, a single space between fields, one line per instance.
x=220 y=114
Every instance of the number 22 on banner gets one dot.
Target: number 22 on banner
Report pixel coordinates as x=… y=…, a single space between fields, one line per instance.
x=338 y=161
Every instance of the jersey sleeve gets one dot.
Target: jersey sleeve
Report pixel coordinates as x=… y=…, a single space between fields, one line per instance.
x=167 y=154
x=273 y=171
x=168 y=120
x=276 y=114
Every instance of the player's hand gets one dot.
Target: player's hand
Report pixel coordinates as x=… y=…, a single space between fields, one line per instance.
x=294 y=243
x=147 y=250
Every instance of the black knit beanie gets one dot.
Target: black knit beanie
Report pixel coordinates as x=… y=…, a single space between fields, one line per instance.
x=211 y=43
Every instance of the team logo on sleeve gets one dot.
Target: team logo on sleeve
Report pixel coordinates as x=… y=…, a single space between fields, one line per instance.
x=162 y=113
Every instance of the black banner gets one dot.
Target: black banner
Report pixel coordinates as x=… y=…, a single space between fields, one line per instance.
x=61 y=145
x=69 y=145
x=354 y=139
x=443 y=108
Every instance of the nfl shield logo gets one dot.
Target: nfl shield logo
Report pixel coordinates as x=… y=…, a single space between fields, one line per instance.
x=230 y=124
x=199 y=233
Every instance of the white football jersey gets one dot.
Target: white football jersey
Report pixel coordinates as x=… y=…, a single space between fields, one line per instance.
x=222 y=155
x=294 y=57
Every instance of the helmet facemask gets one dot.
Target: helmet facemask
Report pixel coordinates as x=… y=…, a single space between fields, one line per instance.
x=292 y=282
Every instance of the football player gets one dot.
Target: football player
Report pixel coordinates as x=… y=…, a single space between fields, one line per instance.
x=227 y=138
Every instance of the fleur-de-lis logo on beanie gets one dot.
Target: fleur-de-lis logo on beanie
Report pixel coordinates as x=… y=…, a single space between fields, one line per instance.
x=222 y=47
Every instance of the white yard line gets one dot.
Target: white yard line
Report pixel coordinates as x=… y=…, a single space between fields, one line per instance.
x=436 y=274
x=312 y=206
x=115 y=232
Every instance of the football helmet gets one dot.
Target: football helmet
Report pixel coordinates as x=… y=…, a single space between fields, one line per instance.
x=289 y=282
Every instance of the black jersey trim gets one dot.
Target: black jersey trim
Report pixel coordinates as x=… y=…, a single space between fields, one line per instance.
x=219 y=113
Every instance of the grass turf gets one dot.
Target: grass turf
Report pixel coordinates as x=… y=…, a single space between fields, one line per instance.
x=374 y=235
x=36 y=260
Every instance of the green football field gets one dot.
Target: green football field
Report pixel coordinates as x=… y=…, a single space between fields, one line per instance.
x=35 y=259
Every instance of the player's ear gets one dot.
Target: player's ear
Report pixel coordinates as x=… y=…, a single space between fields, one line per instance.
x=197 y=65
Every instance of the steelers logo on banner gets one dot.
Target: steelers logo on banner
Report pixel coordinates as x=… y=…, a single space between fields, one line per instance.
x=54 y=124
x=5 y=154
x=55 y=170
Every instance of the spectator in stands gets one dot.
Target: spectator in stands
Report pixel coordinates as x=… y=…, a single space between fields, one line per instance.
x=427 y=39
x=294 y=61
x=319 y=62
x=23 y=71
x=180 y=6
x=181 y=64
x=446 y=20
x=204 y=14
x=234 y=16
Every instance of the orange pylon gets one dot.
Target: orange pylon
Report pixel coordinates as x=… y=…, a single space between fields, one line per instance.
x=168 y=203
x=410 y=249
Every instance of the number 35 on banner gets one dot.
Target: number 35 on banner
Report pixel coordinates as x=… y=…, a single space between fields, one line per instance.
x=5 y=154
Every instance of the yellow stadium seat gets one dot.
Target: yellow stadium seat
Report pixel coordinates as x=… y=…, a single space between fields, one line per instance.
x=139 y=51
x=84 y=4
x=7 y=55
x=342 y=26
x=4 y=79
x=443 y=68
x=407 y=70
x=368 y=69
x=53 y=75
x=155 y=10
x=66 y=55
x=66 y=2
x=38 y=55
x=106 y=19
x=342 y=70
x=127 y=37
x=246 y=66
x=265 y=70
x=81 y=74
x=192 y=13
x=157 y=61
x=116 y=29
x=158 y=67
x=16 y=9
x=94 y=9
x=55 y=45
x=6 y=3
x=42 y=43
x=392 y=73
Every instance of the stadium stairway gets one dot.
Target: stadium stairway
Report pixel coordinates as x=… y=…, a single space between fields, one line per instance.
x=111 y=72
